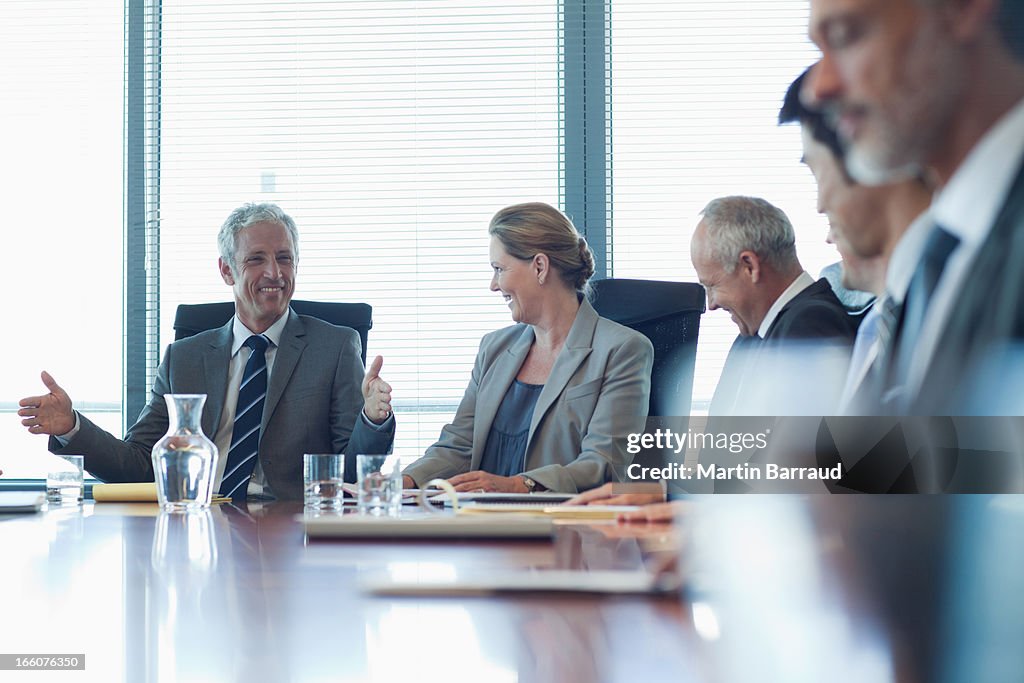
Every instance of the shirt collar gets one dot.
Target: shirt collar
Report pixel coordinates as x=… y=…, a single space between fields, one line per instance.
x=906 y=255
x=240 y=332
x=802 y=282
x=968 y=205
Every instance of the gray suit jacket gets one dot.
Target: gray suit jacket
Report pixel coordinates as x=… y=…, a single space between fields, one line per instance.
x=313 y=405
x=979 y=362
x=598 y=392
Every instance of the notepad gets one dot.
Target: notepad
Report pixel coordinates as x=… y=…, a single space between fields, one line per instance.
x=428 y=526
x=580 y=512
x=540 y=497
x=21 y=502
x=609 y=582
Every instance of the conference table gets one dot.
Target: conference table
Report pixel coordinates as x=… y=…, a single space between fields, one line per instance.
x=786 y=588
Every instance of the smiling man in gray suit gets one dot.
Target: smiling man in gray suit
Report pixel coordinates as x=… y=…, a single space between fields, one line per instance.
x=309 y=372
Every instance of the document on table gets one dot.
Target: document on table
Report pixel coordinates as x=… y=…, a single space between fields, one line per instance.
x=611 y=582
x=579 y=512
x=18 y=502
x=428 y=526
x=538 y=498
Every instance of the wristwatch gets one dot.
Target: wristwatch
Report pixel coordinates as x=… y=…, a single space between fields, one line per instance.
x=530 y=484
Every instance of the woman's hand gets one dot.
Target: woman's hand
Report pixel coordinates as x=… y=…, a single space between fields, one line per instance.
x=479 y=480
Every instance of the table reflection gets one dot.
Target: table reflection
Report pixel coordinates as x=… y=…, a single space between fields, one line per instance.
x=777 y=588
x=859 y=588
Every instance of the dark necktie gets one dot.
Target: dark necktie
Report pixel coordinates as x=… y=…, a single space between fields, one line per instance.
x=245 y=435
x=936 y=254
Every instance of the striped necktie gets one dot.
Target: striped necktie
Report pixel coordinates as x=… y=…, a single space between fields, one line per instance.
x=888 y=323
x=939 y=247
x=245 y=435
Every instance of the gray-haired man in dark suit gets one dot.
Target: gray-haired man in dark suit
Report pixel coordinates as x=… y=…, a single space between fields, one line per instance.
x=744 y=253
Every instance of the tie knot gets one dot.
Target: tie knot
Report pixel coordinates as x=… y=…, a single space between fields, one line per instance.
x=939 y=246
x=258 y=343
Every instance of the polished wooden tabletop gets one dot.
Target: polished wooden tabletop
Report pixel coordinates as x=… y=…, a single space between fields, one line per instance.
x=238 y=594
x=778 y=588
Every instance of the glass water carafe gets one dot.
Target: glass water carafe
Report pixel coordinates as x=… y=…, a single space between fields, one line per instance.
x=184 y=459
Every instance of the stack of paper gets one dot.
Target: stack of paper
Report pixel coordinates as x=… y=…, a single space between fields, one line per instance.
x=580 y=512
x=12 y=502
x=526 y=581
x=428 y=526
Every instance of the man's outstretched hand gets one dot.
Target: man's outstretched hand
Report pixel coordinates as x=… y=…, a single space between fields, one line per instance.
x=50 y=413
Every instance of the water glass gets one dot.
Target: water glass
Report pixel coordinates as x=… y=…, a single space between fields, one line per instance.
x=322 y=477
x=65 y=480
x=380 y=485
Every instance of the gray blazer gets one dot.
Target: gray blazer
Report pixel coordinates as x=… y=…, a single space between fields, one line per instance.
x=313 y=405
x=598 y=392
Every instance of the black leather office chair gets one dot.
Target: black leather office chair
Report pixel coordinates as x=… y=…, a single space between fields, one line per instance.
x=667 y=313
x=191 y=319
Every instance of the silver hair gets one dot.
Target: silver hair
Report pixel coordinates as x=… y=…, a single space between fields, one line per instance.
x=246 y=215
x=737 y=224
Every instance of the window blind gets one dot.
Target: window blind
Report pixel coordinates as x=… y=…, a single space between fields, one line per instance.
x=390 y=131
x=696 y=88
x=61 y=179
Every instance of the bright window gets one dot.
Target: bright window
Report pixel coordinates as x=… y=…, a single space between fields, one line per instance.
x=696 y=89
x=391 y=131
x=61 y=178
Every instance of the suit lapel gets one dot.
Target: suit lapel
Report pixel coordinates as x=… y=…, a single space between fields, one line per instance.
x=576 y=349
x=811 y=290
x=287 y=357
x=215 y=372
x=497 y=380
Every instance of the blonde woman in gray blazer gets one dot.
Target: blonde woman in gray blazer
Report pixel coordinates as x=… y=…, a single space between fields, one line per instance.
x=551 y=398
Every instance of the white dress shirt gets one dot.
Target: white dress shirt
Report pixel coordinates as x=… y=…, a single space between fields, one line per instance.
x=865 y=349
x=967 y=208
x=236 y=368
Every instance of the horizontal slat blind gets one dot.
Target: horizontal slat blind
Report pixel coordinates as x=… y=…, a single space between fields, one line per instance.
x=61 y=85
x=696 y=88
x=391 y=131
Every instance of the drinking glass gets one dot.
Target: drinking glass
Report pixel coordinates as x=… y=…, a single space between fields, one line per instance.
x=380 y=485
x=65 y=480
x=322 y=477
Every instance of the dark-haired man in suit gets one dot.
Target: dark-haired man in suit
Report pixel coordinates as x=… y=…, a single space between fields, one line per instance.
x=870 y=226
x=938 y=86
x=744 y=252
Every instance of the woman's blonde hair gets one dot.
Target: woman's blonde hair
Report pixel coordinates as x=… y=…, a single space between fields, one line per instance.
x=526 y=230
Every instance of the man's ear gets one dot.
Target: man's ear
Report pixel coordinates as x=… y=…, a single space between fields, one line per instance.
x=225 y=272
x=750 y=265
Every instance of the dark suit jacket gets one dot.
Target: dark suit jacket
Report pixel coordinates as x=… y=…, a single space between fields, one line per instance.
x=313 y=405
x=816 y=316
x=814 y=313
x=976 y=367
